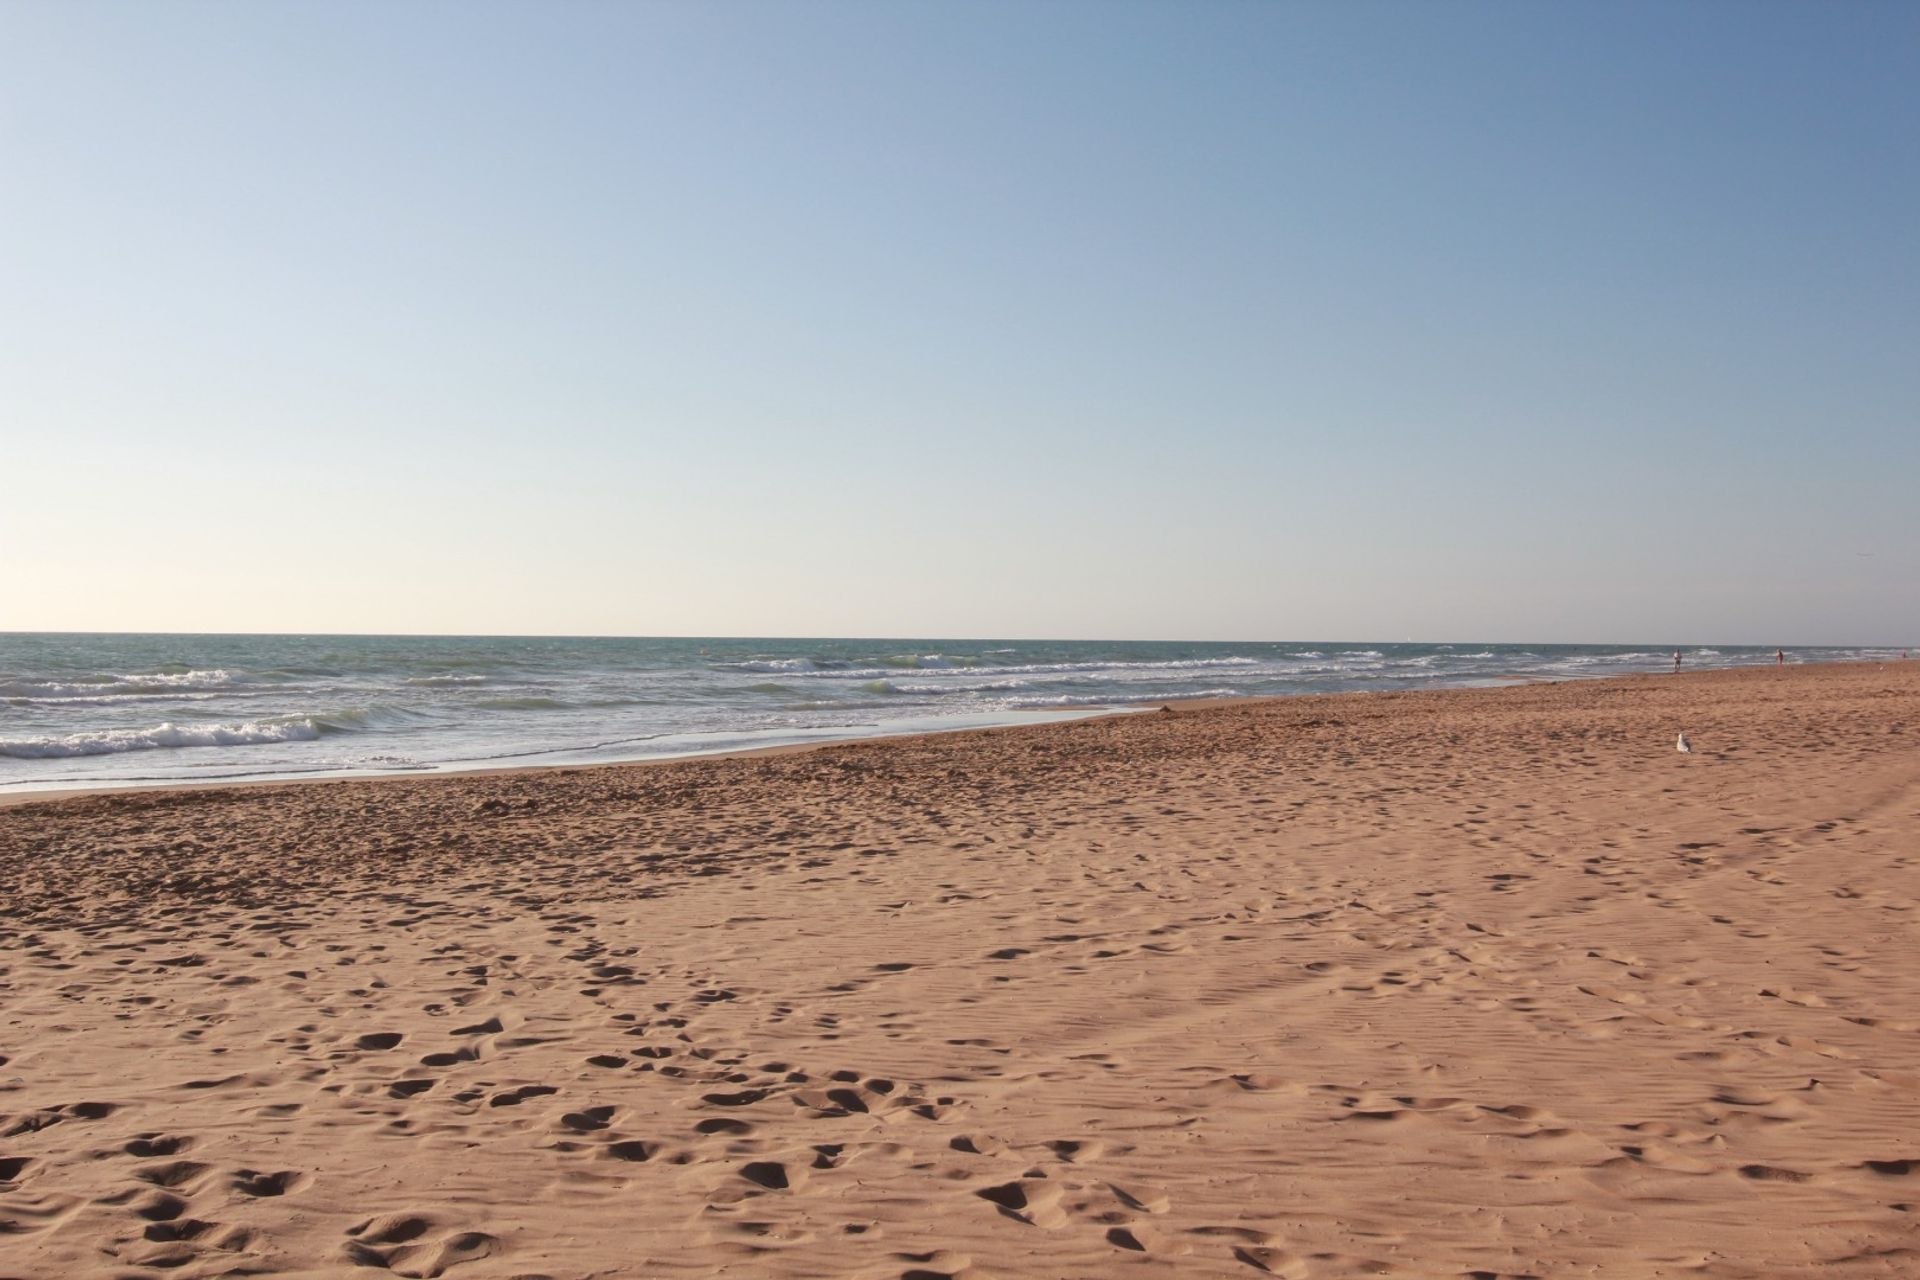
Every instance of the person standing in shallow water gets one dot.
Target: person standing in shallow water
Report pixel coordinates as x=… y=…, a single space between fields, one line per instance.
x=1676 y=662
x=1779 y=657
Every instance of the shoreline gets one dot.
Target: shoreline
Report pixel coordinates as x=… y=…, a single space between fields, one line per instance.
x=1423 y=982
x=14 y=799
x=120 y=713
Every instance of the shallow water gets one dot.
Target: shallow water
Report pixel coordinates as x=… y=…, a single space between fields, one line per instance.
x=88 y=710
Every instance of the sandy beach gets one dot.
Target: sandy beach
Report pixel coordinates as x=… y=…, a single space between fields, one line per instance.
x=1471 y=983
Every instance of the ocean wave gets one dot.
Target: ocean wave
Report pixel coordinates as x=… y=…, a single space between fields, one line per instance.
x=217 y=677
x=946 y=689
x=772 y=666
x=1164 y=664
x=1091 y=700
x=1608 y=659
x=1117 y=669
x=849 y=668
x=99 y=699
x=478 y=660
x=115 y=684
x=264 y=701
x=100 y=742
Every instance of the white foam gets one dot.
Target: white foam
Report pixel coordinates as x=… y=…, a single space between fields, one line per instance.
x=100 y=699
x=942 y=689
x=1609 y=659
x=100 y=742
x=934 y=667
x=1124 y=699
x=776 y=666
x=119 y=685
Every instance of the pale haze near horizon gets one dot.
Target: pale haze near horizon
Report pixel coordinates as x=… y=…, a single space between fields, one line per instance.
x=1220 y=321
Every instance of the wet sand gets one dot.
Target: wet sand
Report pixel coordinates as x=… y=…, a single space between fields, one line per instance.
x=1487 y=982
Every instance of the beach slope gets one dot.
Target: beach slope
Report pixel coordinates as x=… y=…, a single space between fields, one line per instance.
x=1490 y=982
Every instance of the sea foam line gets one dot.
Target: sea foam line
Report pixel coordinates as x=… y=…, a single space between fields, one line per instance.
x=807 y=667
x=100 y=742
x=116 y=684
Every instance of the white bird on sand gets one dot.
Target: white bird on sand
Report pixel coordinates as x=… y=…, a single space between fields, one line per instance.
x=1683 y=745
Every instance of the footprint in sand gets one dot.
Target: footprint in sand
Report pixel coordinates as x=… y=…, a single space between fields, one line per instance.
x=721 y=1124
x=398 y=1243
x=1074 y=1151
x=181 y=1175
x=771 y=1174
x=1030 y=1200
x=976 y=1145
x=1138 y=1237
x=588 y=1121
x=192 y=1230
x=157 y=1206
x=248 y=1182
x=1257 y=1249
x=635 y=1150
x=1772 y=1173
x=1141 y=1199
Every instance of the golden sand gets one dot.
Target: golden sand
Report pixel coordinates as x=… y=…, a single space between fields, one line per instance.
x=1492 y=982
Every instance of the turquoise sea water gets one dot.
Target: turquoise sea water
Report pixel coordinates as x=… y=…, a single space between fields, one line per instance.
x=92 y=710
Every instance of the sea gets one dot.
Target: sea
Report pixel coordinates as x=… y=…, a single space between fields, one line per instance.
x=80 y=711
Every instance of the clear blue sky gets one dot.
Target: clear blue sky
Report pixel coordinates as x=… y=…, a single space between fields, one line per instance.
x=1438 y=320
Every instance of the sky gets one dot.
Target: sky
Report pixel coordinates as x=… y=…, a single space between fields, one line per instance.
x=1439 y=321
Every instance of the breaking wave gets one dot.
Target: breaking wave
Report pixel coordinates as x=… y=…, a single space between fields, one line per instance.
x=101 y=742
x=112 y=684
x=102 y=709
x=933 y=664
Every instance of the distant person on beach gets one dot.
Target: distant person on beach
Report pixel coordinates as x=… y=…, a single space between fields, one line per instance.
x=1676 y=662
x=1779 y=657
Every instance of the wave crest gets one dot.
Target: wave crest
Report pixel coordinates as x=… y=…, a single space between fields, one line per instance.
x=100 y=742
x=115 y=684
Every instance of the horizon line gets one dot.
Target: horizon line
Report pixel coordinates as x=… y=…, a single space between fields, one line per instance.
x=507 y=635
